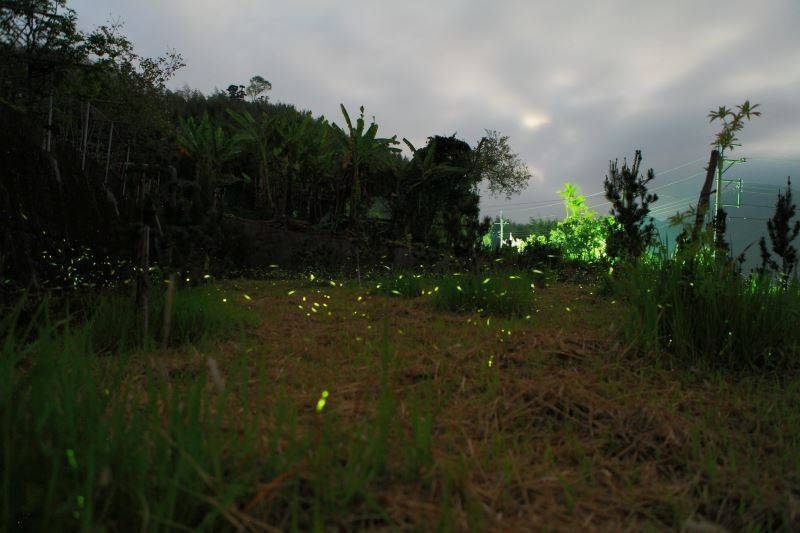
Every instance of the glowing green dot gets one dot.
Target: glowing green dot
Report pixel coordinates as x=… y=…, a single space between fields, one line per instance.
x=73 y=462
x=322 y=401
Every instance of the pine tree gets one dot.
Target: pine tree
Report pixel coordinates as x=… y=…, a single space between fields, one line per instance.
x=630 y=205
x=781 y=234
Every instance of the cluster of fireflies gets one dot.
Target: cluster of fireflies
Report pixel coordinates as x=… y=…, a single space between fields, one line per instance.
x=323 y=398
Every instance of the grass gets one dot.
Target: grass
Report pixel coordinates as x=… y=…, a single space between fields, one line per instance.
x=431 y=419
x=82 y=446
x=499 y=294
x=113 y=324
x=709 y=317
x=490 y=293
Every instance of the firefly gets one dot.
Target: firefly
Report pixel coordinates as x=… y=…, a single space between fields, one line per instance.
x=322 y=400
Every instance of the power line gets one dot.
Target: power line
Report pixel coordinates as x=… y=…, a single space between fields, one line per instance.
x=687 y=178
x=543 y=203
x=758 y=186
x=759 y=193
x=661 y=209
x=749 y=218
x=773 y=158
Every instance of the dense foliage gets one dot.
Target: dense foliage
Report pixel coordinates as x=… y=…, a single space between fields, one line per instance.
x=580 y=236
x=94 y=134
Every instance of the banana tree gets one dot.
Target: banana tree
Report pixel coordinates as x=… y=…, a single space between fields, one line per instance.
x=257 y=134
x=321 y=169
x=361 y=149
x=424 y=185
x=209 y=147
x=292 y=154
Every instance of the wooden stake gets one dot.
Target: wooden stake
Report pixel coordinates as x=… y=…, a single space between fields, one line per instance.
x=108 y=153
x=85 y=135
x=168 y=311
x=50 y=123
x=143 y=281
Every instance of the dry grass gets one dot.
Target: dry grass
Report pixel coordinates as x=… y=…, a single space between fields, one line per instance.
x=548 y=426
x=540 y=423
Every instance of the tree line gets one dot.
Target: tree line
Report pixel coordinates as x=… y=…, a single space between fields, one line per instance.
x=100 y=146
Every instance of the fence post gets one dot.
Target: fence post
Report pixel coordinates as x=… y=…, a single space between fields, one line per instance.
x=108 y=153
x=50 y=123
x=168 y=311
x=85 y=135
x=143 y=281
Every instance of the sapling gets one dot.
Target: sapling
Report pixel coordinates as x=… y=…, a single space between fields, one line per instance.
x=630 y=205
x=781 y=234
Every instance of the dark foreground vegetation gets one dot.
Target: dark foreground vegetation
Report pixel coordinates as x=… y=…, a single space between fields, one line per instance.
x=221 y=313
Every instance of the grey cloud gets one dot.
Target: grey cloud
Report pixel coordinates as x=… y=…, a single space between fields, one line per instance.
x=609 y=76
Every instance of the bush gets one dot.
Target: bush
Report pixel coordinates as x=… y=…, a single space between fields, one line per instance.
x=709 y=315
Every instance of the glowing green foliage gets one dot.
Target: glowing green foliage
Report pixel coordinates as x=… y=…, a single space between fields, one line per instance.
x=581 y=235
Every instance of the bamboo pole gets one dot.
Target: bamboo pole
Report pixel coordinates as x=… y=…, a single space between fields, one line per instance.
x=85 y=135
x=168 y=311
x=108 y=152
x=143 y=281
x=50 y=123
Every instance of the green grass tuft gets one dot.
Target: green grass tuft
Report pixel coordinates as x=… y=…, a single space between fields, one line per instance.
x=708 y=316
x=197 y=313
x=493 y=294
x=408 y=285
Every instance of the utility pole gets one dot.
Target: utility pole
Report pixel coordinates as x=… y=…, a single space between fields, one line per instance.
x=721 y=169
x=501 y=224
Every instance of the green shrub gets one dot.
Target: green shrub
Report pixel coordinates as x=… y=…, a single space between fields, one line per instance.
x=582 y=234
x=408 y=285
x=710 y=316
x=499 y=294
